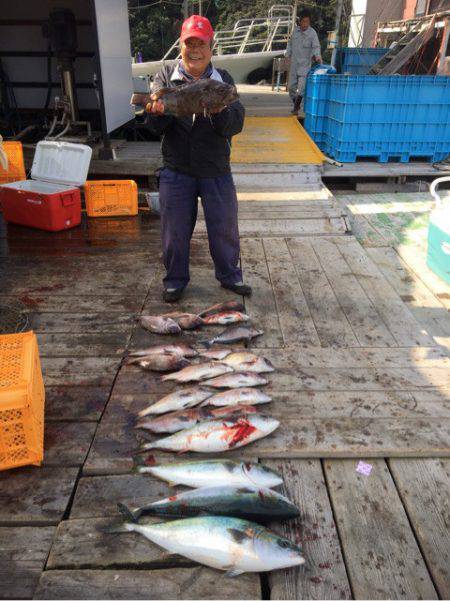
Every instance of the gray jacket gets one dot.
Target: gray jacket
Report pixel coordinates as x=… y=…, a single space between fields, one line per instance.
x=301 y=48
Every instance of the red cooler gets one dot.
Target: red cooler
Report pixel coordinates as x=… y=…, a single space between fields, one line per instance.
x=51 y=199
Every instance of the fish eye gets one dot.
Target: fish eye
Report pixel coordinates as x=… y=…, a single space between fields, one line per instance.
x=284 y=544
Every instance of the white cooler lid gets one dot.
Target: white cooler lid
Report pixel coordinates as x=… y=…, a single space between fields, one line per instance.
x=61 y=162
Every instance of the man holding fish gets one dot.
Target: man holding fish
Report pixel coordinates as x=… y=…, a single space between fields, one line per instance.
x=195 y=108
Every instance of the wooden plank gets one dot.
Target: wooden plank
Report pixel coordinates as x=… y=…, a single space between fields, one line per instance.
x=67 y=443
x=425 y=307
x=282 y=227
x=52 y=303
x=323 y=576
x=305 y=193
x=82 y=543
x=23 y=553
x=97 y=496
x=366 y=323
x=423 y=487
x=79 y=323
x=81 y=371
x=261 y=305
x=382 y=557
x=78 y=403
x=88 y=344
x=331 y=323
x=417 y=262
x=402 y=324
x=295 y=319
x=35 y=496
x=193 y=583
x=410 y=357
x=354 y=437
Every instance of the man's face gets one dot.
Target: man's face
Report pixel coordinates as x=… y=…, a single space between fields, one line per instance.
x=305 y=23
x=196 y=55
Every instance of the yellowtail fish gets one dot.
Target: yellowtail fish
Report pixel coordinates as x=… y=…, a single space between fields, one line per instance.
x=196 y=373
x=176 y=401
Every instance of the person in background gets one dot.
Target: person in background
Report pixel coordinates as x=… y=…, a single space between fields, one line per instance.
x=302 y=48
x=196 y=157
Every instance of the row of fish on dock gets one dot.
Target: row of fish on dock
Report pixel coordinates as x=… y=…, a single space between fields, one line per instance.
x=230 y=500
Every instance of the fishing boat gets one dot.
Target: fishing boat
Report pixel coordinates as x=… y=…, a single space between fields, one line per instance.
x=251 y=45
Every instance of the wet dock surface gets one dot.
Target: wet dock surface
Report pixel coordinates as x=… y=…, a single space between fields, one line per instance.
x=360 y=344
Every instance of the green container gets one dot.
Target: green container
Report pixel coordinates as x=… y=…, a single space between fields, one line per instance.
x=438 y=254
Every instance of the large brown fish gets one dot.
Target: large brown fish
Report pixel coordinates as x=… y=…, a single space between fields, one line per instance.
x=198 y=97
x=186 y=321
x=224 y=318
x=159 y=324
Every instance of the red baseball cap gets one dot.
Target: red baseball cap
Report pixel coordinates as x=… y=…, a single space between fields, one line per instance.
x=197 y=27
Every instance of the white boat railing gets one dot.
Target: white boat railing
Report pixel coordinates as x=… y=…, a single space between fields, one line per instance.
x=261 y=34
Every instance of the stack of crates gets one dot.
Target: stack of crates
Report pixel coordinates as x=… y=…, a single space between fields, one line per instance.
x=386 y=117
x=111 y=198
x=16 y=166
x=22 y=399
x=358 y=61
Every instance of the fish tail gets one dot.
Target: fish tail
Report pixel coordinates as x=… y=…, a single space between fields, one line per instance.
x=206 y=343
x=130 y=516
x=117 y=528
x=144 y=448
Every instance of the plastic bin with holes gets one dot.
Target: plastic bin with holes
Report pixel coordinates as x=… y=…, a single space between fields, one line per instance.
x=22 y=399
x=438 y=253
x=16 y=167
x=51 y=199
x=111 y=198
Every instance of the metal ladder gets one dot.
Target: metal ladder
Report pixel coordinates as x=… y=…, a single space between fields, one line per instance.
x=405 y=48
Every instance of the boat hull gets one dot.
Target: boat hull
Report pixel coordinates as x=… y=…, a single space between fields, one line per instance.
x=238 y=65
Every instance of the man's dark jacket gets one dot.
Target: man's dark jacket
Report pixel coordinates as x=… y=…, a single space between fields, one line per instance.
x=199 y=147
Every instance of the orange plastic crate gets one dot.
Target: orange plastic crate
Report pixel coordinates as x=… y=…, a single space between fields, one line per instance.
x=110 y=198
x=22 y=399
x=16 y=166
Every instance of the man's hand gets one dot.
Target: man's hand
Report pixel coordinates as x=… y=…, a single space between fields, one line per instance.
x=156 y=107
x=318 y=60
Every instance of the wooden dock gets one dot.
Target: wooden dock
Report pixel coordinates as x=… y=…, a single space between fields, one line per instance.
x=359 y=332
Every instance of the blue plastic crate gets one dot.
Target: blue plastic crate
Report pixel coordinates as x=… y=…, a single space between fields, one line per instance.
x=316 y=105
x=358 y=61
x=390 y=117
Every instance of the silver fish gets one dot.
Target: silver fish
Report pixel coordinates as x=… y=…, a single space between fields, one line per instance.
x=163 y=362
x=176 y=401
x=225 y=317
x=217 y=436
x=159 y=325
x=231 y=305
x=243 y=396
x=187 y=418
x=213 y=472
x=235 y=380
x=235 y=334
x=196 y=373
x=246 y=361
x=181 y=348
x=247 y=502
x=217 y=354
x=230 y=544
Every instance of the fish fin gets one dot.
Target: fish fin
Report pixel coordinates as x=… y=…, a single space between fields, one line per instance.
x=130 y=516
x=171 y=484
x=233 y=571
x=143 y=448
x=116 y=528
x=182 y=452
x=206 y=343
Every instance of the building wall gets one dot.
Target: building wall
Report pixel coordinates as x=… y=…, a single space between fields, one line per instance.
x=384 y=10
x=410 y=9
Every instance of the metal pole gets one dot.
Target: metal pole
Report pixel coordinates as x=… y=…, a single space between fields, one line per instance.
x=294 y=15
x=337 y=25
x=186 y=8
x=200 y=11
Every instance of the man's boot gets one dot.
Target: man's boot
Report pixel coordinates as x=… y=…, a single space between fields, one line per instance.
x=297 y=104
